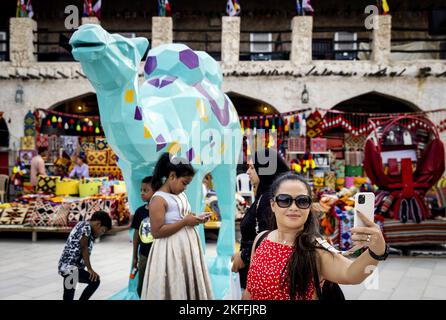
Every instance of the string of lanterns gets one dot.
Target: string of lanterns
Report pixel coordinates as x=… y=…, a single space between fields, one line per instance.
x=355 y=123
x=72 y=122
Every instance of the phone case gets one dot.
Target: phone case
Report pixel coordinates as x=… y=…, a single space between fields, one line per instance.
x=368 y=208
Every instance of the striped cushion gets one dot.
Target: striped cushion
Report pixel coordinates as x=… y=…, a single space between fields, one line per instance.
x=428 y=231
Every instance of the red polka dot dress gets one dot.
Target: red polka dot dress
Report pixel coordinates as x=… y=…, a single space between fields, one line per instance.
x=265 y=277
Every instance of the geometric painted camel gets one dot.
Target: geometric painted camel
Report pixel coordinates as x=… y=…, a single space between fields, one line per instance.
x=179 y=108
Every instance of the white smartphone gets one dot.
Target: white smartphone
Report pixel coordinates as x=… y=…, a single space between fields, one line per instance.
x=365 y=203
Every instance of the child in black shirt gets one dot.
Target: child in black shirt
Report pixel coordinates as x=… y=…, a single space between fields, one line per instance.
x=142 y=236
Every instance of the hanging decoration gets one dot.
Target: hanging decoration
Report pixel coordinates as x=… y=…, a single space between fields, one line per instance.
x=73 y=122
x=30 y=124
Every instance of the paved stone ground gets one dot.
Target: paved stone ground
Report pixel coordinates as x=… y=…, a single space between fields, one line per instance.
x=29 y=271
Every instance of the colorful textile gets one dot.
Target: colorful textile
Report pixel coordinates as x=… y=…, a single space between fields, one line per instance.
x=345 y=224
x=353 y=143
x=314 y=125
x=42 y=140
x=318 y=145
x=30 y=124
x=13 y=215
x=60 y=217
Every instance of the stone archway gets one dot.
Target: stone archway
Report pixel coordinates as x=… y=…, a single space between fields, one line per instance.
x=376 y=102
x=4 y=132
x=84 y=104
x=247 y=106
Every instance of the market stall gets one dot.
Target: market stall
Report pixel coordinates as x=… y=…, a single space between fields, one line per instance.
x=329 y=148
x=56 y=203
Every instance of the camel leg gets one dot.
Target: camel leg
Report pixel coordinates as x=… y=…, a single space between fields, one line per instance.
x=224 y=180
x=195 y=197
x=133 y=176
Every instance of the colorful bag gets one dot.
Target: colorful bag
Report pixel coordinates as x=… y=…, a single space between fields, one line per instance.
x=67 y=187
x=89 y=189
x=47 y=184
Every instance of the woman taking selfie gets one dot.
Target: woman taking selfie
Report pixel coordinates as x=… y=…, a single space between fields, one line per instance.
x=293 y=263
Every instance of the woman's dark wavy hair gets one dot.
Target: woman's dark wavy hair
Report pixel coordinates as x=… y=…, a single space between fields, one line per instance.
x=301 y=268
x=166 y=165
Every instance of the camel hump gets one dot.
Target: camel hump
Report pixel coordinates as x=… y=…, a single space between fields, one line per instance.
x=180 y=61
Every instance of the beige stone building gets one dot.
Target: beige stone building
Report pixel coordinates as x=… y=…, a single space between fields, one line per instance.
x=268 y=56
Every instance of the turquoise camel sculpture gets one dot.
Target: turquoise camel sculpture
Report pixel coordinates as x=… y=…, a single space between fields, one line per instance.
x=179 y=108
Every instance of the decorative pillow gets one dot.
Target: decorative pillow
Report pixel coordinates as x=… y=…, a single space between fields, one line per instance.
x=112 y=158
x=26 y=156
x=29 y=215
x=99 y=204
x=47 y=184
x=87 y=146
x=42 y=141
x=101 y=143
x=43 y=214
x=60 y=217
x=97 y=158
x=98 y=171
x=77 y=212
x=13 y=215
x=27 y=143
x=115 y=173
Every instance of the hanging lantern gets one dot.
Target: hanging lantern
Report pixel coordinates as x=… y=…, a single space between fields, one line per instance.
x=66 y=127
x=59 y=125
x=54 y=119
x=48 y=122
x=266 y=123
x=91 y=128
x=59 y=120
x=97 y=130
x=242 y=124
x=78 y=127
x=90 y=123
x=84 y=128
x=71 y=121
x=261 y=123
